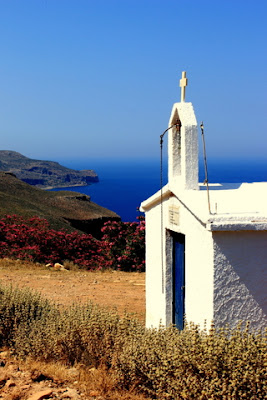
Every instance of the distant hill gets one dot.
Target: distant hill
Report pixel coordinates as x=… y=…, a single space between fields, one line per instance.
x=63 y=209
x=43 y=174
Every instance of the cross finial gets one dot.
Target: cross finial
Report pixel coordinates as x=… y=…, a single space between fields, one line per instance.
x=183 y=84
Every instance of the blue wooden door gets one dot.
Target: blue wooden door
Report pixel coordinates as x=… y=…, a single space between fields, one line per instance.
x=178 y=279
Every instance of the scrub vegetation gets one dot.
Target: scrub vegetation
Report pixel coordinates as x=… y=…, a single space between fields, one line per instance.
x=161 y=364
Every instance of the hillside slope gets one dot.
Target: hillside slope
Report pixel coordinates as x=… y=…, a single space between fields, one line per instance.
x=43 y=174
x=63 y=209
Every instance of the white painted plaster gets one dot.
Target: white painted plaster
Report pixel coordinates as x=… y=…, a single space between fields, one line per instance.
x=225 y=274
x=183 y=147
x=198 y=270
x=241 y=206
x=198 y=267
x=155 y=297
x=240 y=278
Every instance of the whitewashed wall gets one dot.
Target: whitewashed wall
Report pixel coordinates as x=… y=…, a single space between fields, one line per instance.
x=155 y=298
x=240 y=278
x=225 y=272
x=199 y=271
x=198 y=267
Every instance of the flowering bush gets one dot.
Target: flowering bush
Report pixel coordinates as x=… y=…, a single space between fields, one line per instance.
x=122 y=245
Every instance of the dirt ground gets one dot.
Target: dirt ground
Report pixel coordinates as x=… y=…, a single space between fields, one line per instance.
x=33 y=381
x=121 y=290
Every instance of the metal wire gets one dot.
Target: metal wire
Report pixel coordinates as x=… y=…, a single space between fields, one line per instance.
x=206 y=181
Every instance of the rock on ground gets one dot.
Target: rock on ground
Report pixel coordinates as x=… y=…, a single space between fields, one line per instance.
x=17 y=383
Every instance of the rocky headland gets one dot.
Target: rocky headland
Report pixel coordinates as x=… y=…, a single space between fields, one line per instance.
x=44 y=174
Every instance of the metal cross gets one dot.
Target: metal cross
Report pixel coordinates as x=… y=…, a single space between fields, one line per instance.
x=183 y=84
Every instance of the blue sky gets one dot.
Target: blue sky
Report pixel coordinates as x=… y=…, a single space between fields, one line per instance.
x=97 y=78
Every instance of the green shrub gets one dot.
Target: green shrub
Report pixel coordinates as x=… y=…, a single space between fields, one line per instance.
x=193 y=364
x=79 y=334
x=163 y=363
x=19 y=307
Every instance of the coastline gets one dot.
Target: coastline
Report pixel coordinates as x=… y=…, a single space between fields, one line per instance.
x=65 y=187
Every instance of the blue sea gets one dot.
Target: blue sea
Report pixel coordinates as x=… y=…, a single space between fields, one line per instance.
x=123 y=185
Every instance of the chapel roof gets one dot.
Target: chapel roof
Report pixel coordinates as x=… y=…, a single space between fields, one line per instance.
x=234 y=206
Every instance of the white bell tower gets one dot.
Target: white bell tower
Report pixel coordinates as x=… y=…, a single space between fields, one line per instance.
x=183 y=144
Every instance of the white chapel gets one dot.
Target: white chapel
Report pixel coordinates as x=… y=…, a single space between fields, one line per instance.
x=206 y=245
